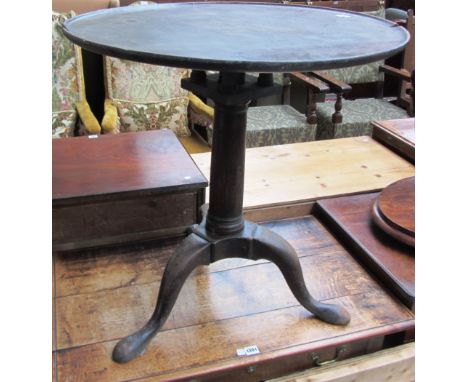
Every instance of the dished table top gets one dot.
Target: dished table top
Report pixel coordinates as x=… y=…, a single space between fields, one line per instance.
x=237 y=36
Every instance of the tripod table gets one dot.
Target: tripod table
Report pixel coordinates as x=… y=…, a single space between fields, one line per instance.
x=233 y=39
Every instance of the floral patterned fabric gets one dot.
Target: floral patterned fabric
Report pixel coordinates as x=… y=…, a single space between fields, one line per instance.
x=274 y=125
x=137 y=82
x=358 y=74
x=63 y=124
x=357 y=117
x=170 y=114
x=67 y=76
x=142 y=91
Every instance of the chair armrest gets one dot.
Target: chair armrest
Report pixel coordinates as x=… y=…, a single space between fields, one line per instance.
x=90 y=122
x=199 y=106
x=401 y=74
x=109 y=121
x=335 y=85
x=316 y=85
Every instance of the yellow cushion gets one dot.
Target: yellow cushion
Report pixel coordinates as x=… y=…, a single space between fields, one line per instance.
x=90 y=122
x=110 y=120
x=199 y=105
x=194 y=145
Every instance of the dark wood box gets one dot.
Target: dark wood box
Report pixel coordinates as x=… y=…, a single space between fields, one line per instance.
x=122 y=188
x=398 y=135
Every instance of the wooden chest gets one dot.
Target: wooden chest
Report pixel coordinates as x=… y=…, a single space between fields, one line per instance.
x=122 y=188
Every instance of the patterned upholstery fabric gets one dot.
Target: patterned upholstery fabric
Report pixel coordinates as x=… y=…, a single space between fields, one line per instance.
x=357 y=117
x=171 y=114
x=275 y=125
x=360 y=73
x=140 y=91
x=63 y=124
x=147 y=97
x=67 y=79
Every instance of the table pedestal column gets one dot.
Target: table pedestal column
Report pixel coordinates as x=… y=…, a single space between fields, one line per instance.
x=223 y=233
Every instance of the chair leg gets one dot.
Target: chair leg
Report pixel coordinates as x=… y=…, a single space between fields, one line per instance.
x=311 y=107
x=337 y=117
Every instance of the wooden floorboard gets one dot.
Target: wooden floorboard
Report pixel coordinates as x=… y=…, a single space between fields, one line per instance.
x=191 y=346
x=90 y=271
x=106 y=294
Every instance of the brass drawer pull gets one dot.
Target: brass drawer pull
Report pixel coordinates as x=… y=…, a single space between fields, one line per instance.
x=316 y=357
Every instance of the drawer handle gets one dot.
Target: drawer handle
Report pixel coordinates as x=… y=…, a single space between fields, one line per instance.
x=316 y=357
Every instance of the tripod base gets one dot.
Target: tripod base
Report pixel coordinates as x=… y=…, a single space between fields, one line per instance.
x=201 y=247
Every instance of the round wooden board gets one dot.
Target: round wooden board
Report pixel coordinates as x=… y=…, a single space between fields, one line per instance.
x=393 y=211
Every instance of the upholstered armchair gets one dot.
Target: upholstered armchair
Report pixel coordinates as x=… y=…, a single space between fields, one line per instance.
x=143 y=97
x=71 y=114
x=340 y=117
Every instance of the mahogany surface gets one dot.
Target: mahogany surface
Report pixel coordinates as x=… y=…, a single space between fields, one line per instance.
x=392 y=262
x=122 y=163
x=145 y=183
x=101 y=295
x=394 y=210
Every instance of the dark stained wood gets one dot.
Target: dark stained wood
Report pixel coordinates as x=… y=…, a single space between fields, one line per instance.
x=352 y=5
x=129 y=33
x=217 y=341
x=96 y=270
x=391 y=262
x=106 y=293
x=393 y=211
x=116 y=164
x=128 y=219
x=398 y=135
x=123 y=188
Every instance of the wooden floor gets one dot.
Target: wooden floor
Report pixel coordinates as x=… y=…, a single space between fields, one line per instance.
x=102 y=295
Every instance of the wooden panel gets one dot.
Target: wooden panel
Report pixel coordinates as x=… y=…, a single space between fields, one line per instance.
x=107 y=293
x=109 y=313
x=216 y=341
x=113 y=164
x=398 y=135
x=123 y=220
x=395 y=364
x=392 y=262
x=103 y=269
x=307 y=171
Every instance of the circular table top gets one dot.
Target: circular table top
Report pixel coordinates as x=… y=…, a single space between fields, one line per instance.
x=394 y=211
x=237 y=37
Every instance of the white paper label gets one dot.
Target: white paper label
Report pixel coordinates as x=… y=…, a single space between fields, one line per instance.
x=92 y=136
x=248 y=350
